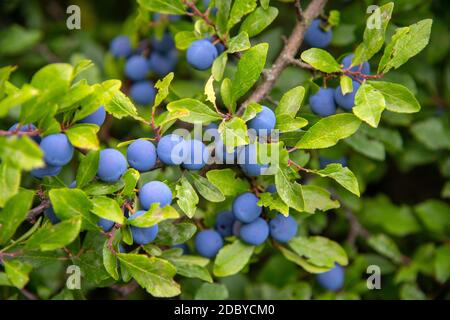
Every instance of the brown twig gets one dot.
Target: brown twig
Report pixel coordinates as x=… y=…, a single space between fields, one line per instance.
x=287 y=54
x=36 y=211
x=17 y=132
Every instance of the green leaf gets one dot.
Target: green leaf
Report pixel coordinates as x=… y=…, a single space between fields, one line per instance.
x=232 y=258
x=51 y=237
x=219 y=65
x=446 y=190
x=410 y=291
x=211 y=291
x=187 y=197
x=384 y=245
x=206 y=189
x=398 y=98
x=233 y=133
x=286 y=123
x=309 y=267
x=328 y=131
x=433 y=133
x=435 y=215
x=442 y=263
x=107 y=208
x=395 y=220
x=239 y=9
x=170 y=234
x=223 y=12
x=227 y=94
x=130 y=178
x=18 y=272
x=374 y=34
x=319 y=251
x=121 y=106
x=9 y=182
x=341 y=175
x=290 y=102
x=369 y=104
x=14 y=213
x=227 y=182
x=153 y=274
x=289 y=191
x=87 y=169
x=153 y=216
x=163 y=6
x=258 y=20
x=191 y=267
x=273 y=202
x=163 y=89
x=22 y=153
x=183 y=39
x=405 y=44
x=321 y=60
x=68 y=203
x=101 y=188
x=368 y=147
x=346 y=84
x=239 y=43
x=15 y=39
x=209 y=91
x=251 y=111
x=84 y=136
x=102 y=94
x=17 y=98
x=198 y=111
x=249 y=68
x=318 y=198
x=110 y=261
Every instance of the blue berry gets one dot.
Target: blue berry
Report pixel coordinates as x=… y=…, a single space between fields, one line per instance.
x=255 y=232
x=316 y=37
x=26 y=128
x=172 y=149
x=346 y=101
x=111 y=166
x=120 y=46
x=208 y=243
x=136 y=68
x=153 y=192
x=322 y=103
x=347 y=61
x=141 y=155
x=97 y=117
x=333 y=279
x=324 y=161
x=163 y=45
x=201 y=54
x=50 y=214
x=58 y=151
x=162 y=64
x=47 y=171
x=143 y=92
x=248 y=161
x=105 y=224
x=246 y=208
x=283 y=228
x=196 y=155
x=264 y=121
x=143 y=235
x=224 y=223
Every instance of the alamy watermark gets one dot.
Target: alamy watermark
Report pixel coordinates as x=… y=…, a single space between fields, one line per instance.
x=73 y=21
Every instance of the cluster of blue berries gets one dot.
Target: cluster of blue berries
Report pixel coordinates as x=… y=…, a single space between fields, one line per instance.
x=57 y=149
x=139 y=64
x=325 y=101
x=246 y=223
